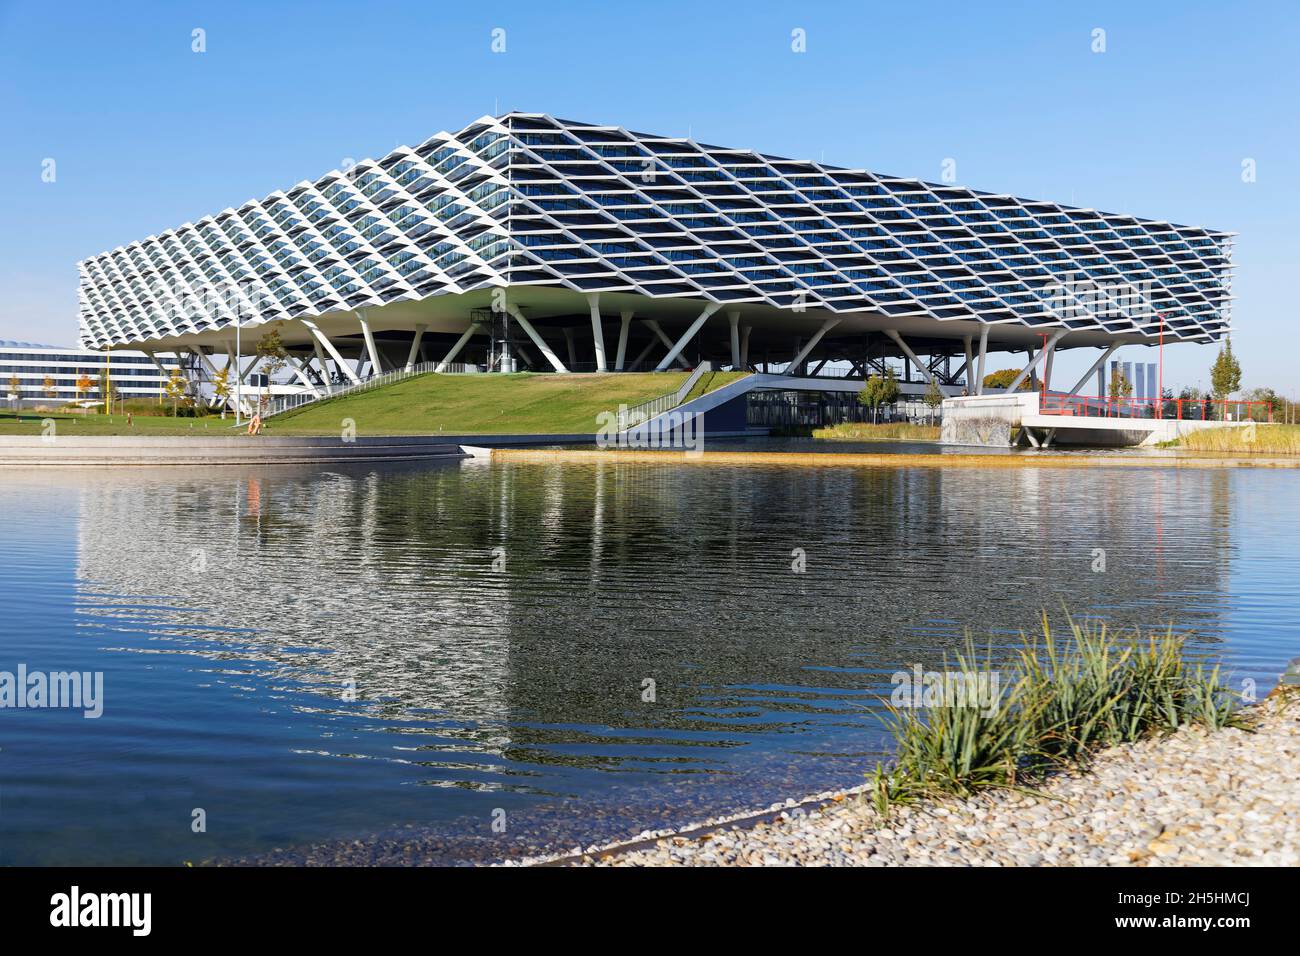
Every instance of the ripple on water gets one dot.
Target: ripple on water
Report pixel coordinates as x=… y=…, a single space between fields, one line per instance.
x=312 y=657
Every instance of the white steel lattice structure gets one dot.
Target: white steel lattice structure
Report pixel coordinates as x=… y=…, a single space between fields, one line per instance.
x=609 y=249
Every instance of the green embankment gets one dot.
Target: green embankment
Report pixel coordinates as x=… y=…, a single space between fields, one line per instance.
x=422 y=405
x=487 y=404
x=75 y=423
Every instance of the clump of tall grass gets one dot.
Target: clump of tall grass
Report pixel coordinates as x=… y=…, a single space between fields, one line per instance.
x=1059 y=701
x=867 y=431
x=1262 y=439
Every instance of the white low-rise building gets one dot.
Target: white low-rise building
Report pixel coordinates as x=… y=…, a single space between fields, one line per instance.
x=33 y=375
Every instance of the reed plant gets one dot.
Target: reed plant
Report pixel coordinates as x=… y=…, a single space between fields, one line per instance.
x=1262 y=439
x=1059 y=701
x=882 y=431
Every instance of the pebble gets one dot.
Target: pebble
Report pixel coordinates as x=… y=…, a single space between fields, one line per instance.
x=1194 y=797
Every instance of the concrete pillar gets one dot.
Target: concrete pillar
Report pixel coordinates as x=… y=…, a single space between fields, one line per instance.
x=907 y=351
x=329 y=347
x=324 y=366
x=415 y=346
x=812 y=344
x=636 y=362
x=689 y=334
x=734 y=318
x=653 y=326
x=455 y=349
x=597 y=333
x=573 y=355
x=297 y=369
x=625 y=320
x=370 y=343
x=537 y=339
x=1034 y=360
x=1099 y=367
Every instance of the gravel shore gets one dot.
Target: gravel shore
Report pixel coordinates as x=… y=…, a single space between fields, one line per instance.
x=1193 y=798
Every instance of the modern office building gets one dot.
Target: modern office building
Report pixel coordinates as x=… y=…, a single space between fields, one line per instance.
x=48 y=375
x=523 y=241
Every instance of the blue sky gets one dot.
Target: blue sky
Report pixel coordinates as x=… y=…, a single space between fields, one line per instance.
x=147 y=134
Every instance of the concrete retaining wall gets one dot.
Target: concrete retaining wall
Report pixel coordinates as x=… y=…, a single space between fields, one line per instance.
x=89 y=450
x=985 y=419
x=31 y=451
x=1083 y=430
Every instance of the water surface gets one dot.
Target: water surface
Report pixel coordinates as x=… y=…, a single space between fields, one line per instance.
x=313 y=658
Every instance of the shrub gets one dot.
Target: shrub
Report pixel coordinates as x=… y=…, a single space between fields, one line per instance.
x=1064 y=700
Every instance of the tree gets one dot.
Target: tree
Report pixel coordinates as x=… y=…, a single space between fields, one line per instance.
x=1168 y=406
x=1225 y=373
x=174 y=388
x=221 y=388
x=272 y=354
x=49 y=386
x=1274 y=405
x=1004 y=377
x=933 y=395
x=104 y=383
x=1120 y=387
x=16 y=390
x=1193 y=400
x=879 y=391
x=84 y=384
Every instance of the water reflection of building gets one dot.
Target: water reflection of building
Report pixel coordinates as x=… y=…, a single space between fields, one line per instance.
x=318 y=578
x=612 y=574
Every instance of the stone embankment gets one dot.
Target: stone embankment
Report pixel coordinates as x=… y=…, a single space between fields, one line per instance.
x=1193 y=798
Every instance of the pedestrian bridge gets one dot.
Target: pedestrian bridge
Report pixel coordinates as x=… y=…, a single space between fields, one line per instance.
x=1056 y=419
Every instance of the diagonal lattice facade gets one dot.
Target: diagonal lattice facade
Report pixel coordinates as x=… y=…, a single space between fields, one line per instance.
x=525 y=200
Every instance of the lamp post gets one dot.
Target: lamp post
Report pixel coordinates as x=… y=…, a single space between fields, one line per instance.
x=238 y=378
x=1042 y=381
x=1160 y=375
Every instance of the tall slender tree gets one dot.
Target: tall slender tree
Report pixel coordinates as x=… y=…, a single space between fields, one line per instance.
x=1225 y=375
x=221 y=388
x=274 y=357
x=174 y=388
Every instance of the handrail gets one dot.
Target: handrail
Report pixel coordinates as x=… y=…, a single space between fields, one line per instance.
x=1179 y=409
x=644 y=411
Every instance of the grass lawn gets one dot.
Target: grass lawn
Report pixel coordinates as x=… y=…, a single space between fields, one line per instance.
x=487 y=404
x=423 y=405
x=75 y=423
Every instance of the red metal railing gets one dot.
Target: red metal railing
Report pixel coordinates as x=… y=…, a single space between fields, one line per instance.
x=1182 y=409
